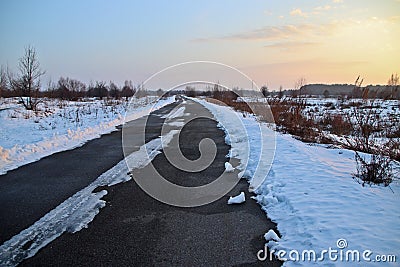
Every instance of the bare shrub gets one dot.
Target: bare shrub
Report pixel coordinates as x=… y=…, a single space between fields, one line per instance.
x=367 y=130
x=365 y=122
x=226 y=96
x=337 y=124
x=289 y=117
x=376 y=170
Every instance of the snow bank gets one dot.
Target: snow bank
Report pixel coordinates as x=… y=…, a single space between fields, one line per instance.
x=250 y=142
x=28 y=140
x=79 y=210
x=311 y=195
x=309 y=192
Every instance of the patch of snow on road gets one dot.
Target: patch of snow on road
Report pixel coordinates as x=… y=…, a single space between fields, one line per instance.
x=237 y=199
x=176 y=123
x=229 y=167
x=79 y=210
x=177 y=113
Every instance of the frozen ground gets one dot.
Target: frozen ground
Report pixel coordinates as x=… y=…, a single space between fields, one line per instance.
x=309 y=192
x=61 y=125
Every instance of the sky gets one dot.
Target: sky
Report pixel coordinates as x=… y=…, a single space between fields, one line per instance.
x=275 y=43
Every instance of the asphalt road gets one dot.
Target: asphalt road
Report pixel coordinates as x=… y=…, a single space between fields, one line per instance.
x=31 y=191
x=134 y=229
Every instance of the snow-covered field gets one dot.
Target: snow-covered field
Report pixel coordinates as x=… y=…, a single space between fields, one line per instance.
x=342 y=122
x=320 y=108
x=26 y=136
x=388 y=110
x=310 y=194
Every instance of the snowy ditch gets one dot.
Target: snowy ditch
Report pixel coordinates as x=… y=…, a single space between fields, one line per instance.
x=79 y=210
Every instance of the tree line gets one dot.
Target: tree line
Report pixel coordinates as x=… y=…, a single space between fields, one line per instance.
x=26 y=84
x=72 y=89
x=342 y=91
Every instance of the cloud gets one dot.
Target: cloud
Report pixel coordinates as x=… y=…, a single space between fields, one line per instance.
x=337 y=1
x=318 y=62
x=322 y=8
x=291 y=44
x=278 y=33
x=270 y=32
x=378 y=20
x=298 y=12
x=394 y=19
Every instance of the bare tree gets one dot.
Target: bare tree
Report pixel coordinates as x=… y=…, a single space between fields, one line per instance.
x=393 y=84
x=99 y=90
x=264 y=90
x=160 y=92
x=27 y=83
x=51 y=89
x=114 y=90
x=141 y=91
x=3 y=81
x=393 y=80
x=77 y=88
x=299 y=84
x=70 y=89
x=190 y=91
x=63 y=90
x=280 y=93
x=127 y=91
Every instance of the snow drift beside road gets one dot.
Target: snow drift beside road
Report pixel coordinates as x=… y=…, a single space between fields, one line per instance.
x=309 y=192
x=25 y=140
